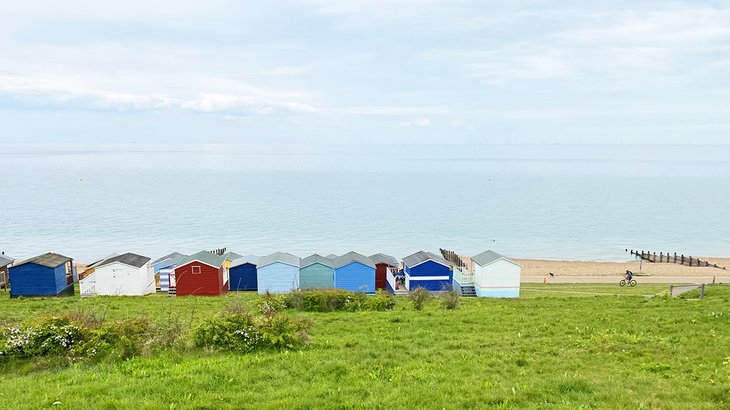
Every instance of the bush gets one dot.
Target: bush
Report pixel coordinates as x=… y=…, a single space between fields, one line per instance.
x=242 y=332
x=47 y=336
x=270 y=303
x=228 y=331
x=419 y=297
x=115 y=341
x=450 y=300
x=330 y=300
x=382 y=301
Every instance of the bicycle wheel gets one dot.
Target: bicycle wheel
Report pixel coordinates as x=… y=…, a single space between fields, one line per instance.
x=632 y=283
x=622 y=283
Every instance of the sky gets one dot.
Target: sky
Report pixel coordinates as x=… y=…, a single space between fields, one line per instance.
x=365 y=71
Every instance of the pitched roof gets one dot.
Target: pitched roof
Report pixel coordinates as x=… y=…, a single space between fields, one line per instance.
x=100 y=261
x=423 y=256
x=487 y=257
x=312 y=259
x=205 y=257
x=171 y=256
x=350 y=257
x=232 y=256
x=282 y=257
x=383 y=258
x=131 y=259
x=6 y=260
x=331 y=256
x=50 y=260
x=253 y=260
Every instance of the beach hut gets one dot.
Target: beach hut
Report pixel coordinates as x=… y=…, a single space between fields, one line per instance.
x=354 y=272
x=316 y=272
x=5 y=262
x=383 y=266
x=496 y=275
x=201 y=274
x=164 y=270
x=49 y=274
x=278 y=273
x=128 y=274
x=243 y=273
x=427 y=270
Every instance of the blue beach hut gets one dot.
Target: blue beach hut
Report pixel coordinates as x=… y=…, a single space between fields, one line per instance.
x=243 y=273
x=49 y=274
x=427 y=270
x=316 y=272
x=278 y=273
x=354 y=272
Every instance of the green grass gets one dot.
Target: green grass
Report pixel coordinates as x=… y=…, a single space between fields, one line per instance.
x=545 y=350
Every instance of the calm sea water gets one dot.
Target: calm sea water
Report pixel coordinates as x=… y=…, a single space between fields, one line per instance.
x=553 y=201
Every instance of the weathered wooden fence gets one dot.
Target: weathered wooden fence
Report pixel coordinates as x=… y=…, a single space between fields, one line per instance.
x=676 y=290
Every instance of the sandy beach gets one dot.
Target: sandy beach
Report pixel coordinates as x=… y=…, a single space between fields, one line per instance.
x=535 y=270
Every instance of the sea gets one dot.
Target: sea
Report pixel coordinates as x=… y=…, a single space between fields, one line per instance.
x=555 y=201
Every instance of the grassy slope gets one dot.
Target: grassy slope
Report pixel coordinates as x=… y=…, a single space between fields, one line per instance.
x=546 y=349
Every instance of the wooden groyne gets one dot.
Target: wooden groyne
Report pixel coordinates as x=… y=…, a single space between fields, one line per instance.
x=452 y=257
x=667 y=257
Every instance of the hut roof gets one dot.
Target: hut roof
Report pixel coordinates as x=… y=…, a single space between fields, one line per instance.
x=172 y=256
x=232 y=256
x=423 y=256
x=487 y=257
x=6 y=260
x=312 y=259
x=131 y=259
x=331 y=256
x=253 y=260
x=383 y=258
x=282 y=257
x=49 y=260
x=205 y=257
x=350 y=257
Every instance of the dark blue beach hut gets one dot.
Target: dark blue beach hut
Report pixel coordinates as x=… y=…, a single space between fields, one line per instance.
x=49 y=274
x=427 y=270
x=243 y=273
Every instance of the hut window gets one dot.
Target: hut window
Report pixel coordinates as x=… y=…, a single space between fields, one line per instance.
x=196 y=270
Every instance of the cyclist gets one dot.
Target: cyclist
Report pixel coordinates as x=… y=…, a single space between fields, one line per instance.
x=629 y=275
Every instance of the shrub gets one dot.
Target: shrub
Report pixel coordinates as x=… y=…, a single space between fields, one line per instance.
x=242 y=332
x=47 y=336
x=228 y=331
x=283 y=332
x=115 y=341
x=330 y=300
x=450 y=300
x=270 y=303
x=382 y=301
x=419 y=297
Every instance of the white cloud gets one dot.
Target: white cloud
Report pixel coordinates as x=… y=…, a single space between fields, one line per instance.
x=45 y=93
x=420 y=122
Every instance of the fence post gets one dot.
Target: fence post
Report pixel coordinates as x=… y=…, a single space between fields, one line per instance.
x=675 y=257
x=702 y=291
x=671 y=291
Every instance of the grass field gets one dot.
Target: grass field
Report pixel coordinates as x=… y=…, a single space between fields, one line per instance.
x=558 y=346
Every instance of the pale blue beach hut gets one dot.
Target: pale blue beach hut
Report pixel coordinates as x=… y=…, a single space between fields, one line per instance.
x=278 y=273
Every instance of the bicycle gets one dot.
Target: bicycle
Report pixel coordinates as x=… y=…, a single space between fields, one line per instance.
x=631 y=282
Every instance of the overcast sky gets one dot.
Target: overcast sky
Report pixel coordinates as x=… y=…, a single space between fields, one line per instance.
x=355 y=71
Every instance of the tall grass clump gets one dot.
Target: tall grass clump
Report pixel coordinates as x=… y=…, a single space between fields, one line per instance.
x=419 y=297
x=450 y=300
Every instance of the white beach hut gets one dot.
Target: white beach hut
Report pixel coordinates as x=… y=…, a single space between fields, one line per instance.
x=496 y=275
x=124 y=275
